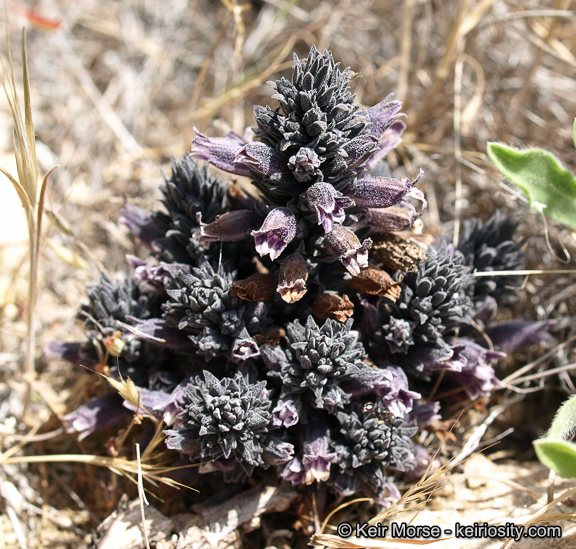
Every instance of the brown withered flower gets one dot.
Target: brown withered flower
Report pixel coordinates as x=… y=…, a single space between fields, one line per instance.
x=393 y=252
x=377 y=282
x=257 y=287
x=271 y=336
x=292 y=277
x=332 y=305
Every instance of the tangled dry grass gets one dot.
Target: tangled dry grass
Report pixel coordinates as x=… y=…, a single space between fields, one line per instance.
x=117 y=88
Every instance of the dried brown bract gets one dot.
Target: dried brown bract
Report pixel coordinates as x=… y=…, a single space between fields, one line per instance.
x=377 y=282
x=271 y=336
x=331 y=305
x=292 y=278
x=257 y=287
x=393 y=252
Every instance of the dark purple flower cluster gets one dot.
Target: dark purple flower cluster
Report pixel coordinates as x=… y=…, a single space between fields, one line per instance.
x=311 y=159
x=285 y=330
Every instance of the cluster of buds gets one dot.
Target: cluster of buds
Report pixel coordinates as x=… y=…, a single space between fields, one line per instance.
x=311 y=160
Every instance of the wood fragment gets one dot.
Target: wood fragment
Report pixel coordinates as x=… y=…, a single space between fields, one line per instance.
x=123 y=528
x=218 y=526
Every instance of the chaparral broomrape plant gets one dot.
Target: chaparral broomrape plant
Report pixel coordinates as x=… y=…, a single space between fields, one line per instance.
x=283 y=331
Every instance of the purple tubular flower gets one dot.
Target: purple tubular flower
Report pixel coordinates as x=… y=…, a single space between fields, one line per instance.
x=155 y=331
x=220 y=151
x=382 y=116
x=476 y=376
x=317 y=457
x=422 y=414
x=154 y=279
x=97 y=413
x=294 y=471
x=511 y=336
x=287 y=410
x=390 y=385
x=154 y=401
x=392 y=388
x=328 y=204
x=383 y=192
x=140 y=224
x=229 y=227
x=70 y=352
x=388 y=142
x=244 y=347
x=343 y=244
x=277 y=231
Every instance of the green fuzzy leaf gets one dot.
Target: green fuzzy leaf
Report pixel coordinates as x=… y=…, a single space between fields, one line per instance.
x=550 y=187
x=564 y=423
x=558 y=455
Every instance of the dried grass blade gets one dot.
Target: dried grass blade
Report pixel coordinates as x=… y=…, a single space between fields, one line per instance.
x=20 y=190
x=541 y=516
x=142 y=496
x=339 y=508
x=28 y=137
x=43 y=187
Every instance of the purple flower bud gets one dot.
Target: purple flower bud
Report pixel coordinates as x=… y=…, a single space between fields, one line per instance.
x=220 y=151
x=261 y=158
x=383 y=192
x=277 y=231
x=343 y=244
x=229 y=227
x=328 y=204
x=424 y=413
x=382 y=115
x=305 y=164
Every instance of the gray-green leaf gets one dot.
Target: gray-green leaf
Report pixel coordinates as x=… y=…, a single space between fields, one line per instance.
x=558 y=455
x=549 y=186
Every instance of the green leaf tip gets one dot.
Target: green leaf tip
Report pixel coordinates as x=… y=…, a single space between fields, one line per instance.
x=550 y=187
x=558 y=455
x=564 y=423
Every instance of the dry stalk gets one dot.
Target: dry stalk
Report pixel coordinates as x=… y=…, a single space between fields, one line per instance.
x=142 y=497
x=31 y=196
